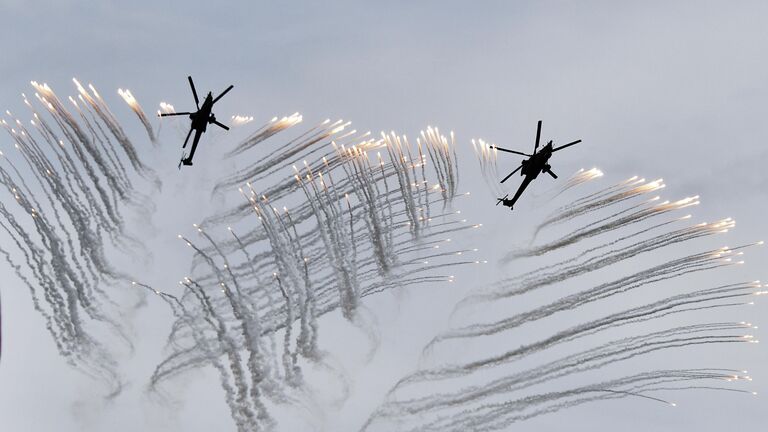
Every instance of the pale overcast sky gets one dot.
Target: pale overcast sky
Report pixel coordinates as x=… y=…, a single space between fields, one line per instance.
x=672 y=89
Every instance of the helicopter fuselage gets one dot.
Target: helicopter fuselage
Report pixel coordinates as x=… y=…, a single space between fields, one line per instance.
x=537 y=163
x=201 y=117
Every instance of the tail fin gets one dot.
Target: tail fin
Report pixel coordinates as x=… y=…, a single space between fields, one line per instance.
x=500 y=200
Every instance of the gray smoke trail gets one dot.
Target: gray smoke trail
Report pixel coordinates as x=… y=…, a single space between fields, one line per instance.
x=532 y=280
x=580 y=177
x=68 y=188
x=629 y=316
x=278 y=159
x=352 y=235
x=470 y=390
x=271 y=300
x=501 y=415
x=666 y=271
x=244 y=311
x=442 y=153
x=99 y=134
x=102 y=110
x=265 y=132
x=211 y=352
x=244 y=414
x=636 y=214
x=136 y=108
x=590 y=359
x=248 y=325
x=487 y=156
x=610 y=196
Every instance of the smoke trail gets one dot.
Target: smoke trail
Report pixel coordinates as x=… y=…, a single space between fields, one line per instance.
x=487 y=155
x=136 y=108
x=67 y=189
x=613 y=222
x=501 y=415
x=263 y=133
x=590 y=359
x=580 y=177
x=102 y=110
x=666 y=271
x=464 y=394
x=443 y=157
x=360 y=228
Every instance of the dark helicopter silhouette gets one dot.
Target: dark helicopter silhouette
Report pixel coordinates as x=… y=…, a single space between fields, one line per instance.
x=531 y=167
x=200 y=120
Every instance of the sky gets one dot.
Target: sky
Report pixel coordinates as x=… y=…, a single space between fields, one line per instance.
x=672 y=90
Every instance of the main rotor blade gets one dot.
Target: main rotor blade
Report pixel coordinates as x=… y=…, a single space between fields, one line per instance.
x=173 y=114
x=538 y=136
x=564 y=146
x=510 y=174
x=194 y=92
x=510 y=151
x=220 y=125
x=223 y=93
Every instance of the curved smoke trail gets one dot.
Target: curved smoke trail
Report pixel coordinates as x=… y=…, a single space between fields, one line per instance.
x=358 y=225
x=68 y=186
x=317 y=222
x=496 y=385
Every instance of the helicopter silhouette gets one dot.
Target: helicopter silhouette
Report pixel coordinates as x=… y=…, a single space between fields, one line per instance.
x=536 y=164
x=200 y=120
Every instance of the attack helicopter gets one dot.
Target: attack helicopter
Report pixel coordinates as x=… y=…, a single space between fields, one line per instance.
x=200 y=120
x=537 y=163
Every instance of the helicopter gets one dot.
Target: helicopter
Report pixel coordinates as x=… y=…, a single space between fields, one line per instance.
x=536 y=164
x=200 y=120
